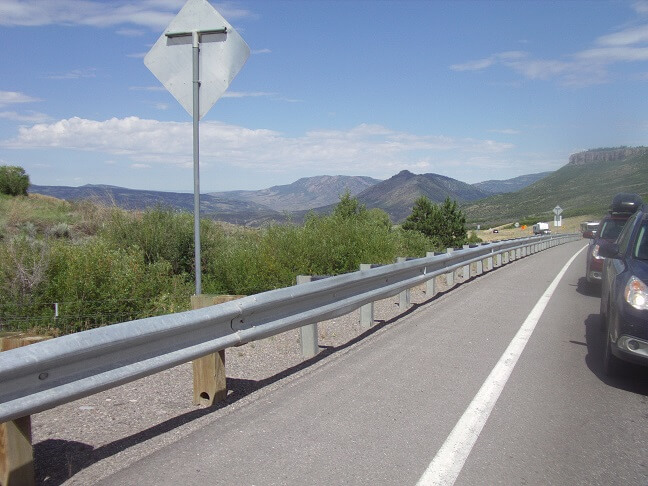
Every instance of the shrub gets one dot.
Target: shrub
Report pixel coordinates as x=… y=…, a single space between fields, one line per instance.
x=13 y=180
x=161 y=234
x=253 y=261
x=445 y=224
x=60 y=230
x=97 y=284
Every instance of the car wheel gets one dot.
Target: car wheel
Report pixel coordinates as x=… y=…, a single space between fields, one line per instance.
x=603 y=323
x=612 y=366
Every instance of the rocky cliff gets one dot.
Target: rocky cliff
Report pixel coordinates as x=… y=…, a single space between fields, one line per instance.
x=606 y=155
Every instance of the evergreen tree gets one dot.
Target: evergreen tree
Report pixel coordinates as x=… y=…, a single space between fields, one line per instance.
x=443 y=224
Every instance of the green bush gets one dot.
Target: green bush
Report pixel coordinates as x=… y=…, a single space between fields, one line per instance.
x=445 y=224
x=141 y=264
x=98 y=284
x=13 y=180
x=163 y=235
x=254 y=261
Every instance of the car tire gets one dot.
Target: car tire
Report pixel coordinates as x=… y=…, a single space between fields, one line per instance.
x=612 y=366
x=603 y=322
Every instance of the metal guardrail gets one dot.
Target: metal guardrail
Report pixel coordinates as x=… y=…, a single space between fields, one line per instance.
x=49 y=373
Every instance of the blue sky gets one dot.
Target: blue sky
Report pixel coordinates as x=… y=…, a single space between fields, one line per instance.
x=473 y=90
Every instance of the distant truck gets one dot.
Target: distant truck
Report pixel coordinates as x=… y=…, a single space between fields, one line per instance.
x=541 y=229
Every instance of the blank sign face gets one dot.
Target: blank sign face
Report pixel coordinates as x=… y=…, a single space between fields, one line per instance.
x=221 y=56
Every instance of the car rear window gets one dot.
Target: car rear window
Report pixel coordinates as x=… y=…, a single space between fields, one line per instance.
x=611 y=228
x=641 y=249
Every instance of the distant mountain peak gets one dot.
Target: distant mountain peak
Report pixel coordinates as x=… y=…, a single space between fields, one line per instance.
x=305 y=193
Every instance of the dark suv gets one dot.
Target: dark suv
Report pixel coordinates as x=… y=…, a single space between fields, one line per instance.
x=622 y=207
x=624 y=294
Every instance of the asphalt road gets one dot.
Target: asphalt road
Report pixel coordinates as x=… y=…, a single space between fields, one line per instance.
x=380 y=413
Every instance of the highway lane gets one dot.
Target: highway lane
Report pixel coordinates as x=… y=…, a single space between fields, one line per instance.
x=560 y=420
x=379 y=413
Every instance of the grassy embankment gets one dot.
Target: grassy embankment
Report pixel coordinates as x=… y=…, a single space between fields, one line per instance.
x=103 y=265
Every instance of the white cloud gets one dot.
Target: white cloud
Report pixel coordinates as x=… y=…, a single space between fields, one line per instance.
x=130 y=32
x=148 y=88
x=641 y=7
x=363 y=149
x=609 y=55
x=480 y=64
x=12 y=97
x=582 y=68
x=28 y=117
x=246 y=94
x=477 y=65
x=154 y=14
x=75 y=74
x=505 y=131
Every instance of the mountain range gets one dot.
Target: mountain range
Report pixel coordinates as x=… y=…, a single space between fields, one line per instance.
x=305 y=193
x=585 y=185
x=395 y=195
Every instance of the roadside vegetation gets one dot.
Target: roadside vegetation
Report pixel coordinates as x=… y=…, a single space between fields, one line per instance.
x=70 y=266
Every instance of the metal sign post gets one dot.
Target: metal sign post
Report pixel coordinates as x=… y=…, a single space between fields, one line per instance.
x=557 y=216
x=224 y=55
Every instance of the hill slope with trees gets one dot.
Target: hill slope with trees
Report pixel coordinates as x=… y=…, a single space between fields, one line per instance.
x=586 y=185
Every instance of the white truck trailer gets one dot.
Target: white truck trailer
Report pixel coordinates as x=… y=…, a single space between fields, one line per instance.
x=541 y=229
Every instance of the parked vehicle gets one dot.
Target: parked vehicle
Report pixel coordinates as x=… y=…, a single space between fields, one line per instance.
x=624 y=294
x=622 y=207
x=541 y=229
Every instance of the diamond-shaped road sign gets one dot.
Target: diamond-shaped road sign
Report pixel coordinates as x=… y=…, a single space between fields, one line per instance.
x=557 y=210
x=222 y=55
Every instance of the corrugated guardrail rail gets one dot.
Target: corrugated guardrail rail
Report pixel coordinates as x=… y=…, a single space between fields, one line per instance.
x=49 y=373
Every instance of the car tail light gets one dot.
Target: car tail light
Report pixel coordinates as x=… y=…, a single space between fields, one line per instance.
x=636 y=293
x=595 y=252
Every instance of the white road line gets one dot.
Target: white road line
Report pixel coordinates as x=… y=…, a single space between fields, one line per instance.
x=448 y=462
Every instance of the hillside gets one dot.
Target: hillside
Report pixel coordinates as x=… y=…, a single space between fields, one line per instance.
x=305 y=193
x=396 y=195
x=585 y=185
x=510 y=185
x=227 y=210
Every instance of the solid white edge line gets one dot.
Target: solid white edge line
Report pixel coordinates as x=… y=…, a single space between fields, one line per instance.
x=449 y=460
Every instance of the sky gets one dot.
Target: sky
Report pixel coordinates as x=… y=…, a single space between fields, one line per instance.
x=473 y=90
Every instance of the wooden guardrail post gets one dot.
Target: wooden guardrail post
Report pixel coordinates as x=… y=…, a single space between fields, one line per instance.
x=209 y=381
x=367 y=310
x=308 y=333
x=16 y=452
